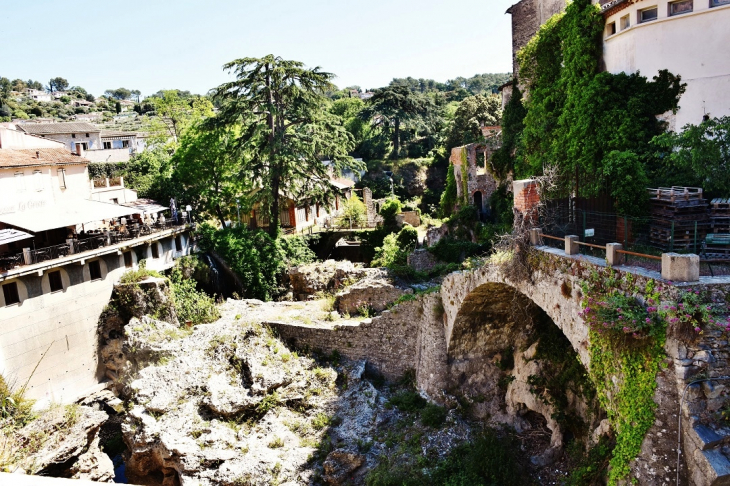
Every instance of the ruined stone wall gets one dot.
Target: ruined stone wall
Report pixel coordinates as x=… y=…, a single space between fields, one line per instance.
x=387 y=342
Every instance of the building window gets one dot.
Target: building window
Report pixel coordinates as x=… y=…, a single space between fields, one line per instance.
x=10 y=292
x=95 y=270
x=87 y=135
x=128 y=259
x=625 y=22
x=73 y=135
x=38 y=180
x=155 y=250
x=717 y=3
x=54 y=278
x=125 y=143
x=680 y=7
x=648 y=14
x=610 y=29
x=107 y=145
x=19 y=182
x=62 y=178
x=178 y=243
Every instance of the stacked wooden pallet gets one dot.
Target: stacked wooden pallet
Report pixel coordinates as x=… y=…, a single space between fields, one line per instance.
x=717 y=243
x=679 y=218
x=720 y=215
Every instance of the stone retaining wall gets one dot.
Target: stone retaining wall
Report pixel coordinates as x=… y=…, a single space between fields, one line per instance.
x=388 y=342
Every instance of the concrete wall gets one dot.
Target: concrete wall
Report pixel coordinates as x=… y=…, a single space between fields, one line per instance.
x=93 y=140
x=66 y=321
x=692 y=45
x=107 y=155
x=15 y=139
x=37 y=191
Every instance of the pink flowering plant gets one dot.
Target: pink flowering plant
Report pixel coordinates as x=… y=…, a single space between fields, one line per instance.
x=617 y=313
x=693 y=310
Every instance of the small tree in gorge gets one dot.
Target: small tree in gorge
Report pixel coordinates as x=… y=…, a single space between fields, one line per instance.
x=286 y=129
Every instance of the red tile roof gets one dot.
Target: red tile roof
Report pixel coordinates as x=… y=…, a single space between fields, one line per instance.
x=38 y=157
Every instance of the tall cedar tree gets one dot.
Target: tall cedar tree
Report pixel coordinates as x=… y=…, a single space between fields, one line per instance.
x=286 y=130
x=392 y=106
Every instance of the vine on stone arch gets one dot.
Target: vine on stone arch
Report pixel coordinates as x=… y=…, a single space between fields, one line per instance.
x=627 y=336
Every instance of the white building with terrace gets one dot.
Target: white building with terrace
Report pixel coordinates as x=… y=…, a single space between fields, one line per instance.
x=62 y=249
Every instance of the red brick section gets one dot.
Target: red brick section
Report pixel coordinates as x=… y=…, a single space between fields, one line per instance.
x=526 y=199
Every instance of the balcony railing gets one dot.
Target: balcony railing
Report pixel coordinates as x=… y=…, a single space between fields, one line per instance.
x=86 y=243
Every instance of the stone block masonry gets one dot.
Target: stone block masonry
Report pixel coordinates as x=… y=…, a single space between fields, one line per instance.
x=392 y=343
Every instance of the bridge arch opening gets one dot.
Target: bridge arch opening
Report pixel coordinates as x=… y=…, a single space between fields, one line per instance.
x=515 y=366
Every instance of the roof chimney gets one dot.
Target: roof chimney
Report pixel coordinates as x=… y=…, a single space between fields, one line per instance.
x=37 y=154
x=79 y=150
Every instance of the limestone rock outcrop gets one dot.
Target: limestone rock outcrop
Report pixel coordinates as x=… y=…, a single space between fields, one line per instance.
x=307 y=280
x=64 y=442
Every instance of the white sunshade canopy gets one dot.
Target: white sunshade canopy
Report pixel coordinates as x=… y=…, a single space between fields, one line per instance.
x=64 y=214
x=145 y=205
x=10 y=235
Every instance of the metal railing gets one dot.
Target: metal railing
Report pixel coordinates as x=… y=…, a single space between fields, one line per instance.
x=89 y=242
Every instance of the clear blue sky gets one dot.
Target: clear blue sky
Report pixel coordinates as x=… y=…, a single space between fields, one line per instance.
x=164 y=44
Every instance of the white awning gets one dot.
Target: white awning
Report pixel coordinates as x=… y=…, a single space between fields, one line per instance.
x=9 y=235
x=145 y=206
x=65 y=214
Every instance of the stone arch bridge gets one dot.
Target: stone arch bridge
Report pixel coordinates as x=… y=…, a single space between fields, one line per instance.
x=458 y=338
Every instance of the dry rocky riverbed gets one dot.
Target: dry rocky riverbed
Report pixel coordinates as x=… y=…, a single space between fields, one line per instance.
x=228 y=403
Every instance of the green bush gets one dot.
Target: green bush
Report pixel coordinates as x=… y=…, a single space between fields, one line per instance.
x=487 y=461
x=191 y=304
x=390 y=253
x=258 y=260
x=354 y=213
x=433 y=415
x=388 y=210
x=408 y=401
x=408 y=238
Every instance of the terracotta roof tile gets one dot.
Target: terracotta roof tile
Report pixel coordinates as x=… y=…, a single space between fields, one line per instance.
x=58 y=128
x=38 y=157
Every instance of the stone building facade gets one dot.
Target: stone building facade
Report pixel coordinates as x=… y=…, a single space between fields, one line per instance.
x=474 y=183
x=527 y=17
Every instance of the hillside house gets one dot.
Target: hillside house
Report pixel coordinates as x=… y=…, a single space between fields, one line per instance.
x=38 y=95
x=297 y=216
x=61 y=253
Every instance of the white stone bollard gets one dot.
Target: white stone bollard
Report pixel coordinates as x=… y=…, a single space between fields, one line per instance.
x=571 y=245
x=680 y=268
x=613 y=257
x=535 y=239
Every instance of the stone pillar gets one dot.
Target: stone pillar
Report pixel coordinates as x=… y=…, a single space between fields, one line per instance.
x=613 y=258
x=27 y=256
x=680 y=268
x=535 y=239
x=571 y=245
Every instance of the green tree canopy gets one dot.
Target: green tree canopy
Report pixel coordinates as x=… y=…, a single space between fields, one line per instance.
x=698 y=156
x=286 y=129
x=473 y=113
x=207 y=165
x=176 y=113
x=57 y=84
x=118 y=94
x=392 y=106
